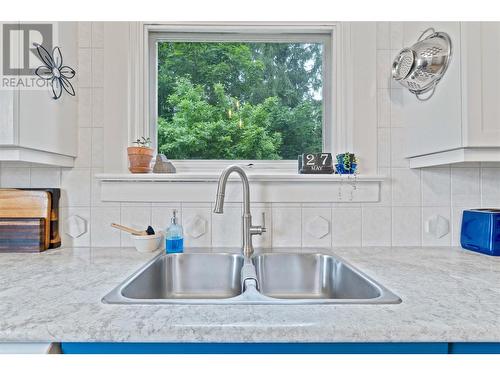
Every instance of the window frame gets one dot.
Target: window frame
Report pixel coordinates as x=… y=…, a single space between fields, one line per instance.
x=332 y=135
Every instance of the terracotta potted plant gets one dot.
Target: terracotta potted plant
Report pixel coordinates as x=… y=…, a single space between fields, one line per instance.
x=140 y=156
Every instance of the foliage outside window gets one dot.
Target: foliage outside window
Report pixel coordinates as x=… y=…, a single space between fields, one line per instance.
x=239 y=100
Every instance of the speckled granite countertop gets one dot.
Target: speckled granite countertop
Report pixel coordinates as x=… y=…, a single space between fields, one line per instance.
x=448 y=295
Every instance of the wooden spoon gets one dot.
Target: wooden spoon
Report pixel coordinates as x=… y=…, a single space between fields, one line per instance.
x=149 y=231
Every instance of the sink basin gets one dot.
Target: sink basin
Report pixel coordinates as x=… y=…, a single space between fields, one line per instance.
x=311 y=276
x=184 y=276
x=267 y=278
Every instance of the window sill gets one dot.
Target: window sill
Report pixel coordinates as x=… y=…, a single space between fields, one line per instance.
x=264 y=186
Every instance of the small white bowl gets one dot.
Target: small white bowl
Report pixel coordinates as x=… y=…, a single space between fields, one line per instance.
x=147 y=244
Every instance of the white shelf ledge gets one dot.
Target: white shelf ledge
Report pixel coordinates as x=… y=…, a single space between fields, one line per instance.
x=214 y=176
x=264 y=187
x=459 y=155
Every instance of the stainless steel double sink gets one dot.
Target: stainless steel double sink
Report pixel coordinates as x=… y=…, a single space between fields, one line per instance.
x=267 y=278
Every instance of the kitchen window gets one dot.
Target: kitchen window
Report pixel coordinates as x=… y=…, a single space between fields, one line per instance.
x=249 y=94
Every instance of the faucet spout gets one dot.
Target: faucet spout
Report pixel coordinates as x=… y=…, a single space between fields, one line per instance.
x=219 y=204
x=248 y=229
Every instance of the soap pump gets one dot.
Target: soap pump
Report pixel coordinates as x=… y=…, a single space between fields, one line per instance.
x=174 y=236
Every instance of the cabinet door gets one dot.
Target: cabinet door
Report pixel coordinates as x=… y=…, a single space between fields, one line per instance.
x=8 y=134
x=8 y=97
x=481 y=99
x=47 y=124
x=434 y=125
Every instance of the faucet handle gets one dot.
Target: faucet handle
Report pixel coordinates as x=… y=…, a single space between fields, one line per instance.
x=263 y=225
x=259 y=229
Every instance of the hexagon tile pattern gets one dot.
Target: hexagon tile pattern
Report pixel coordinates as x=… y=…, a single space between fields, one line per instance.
x=196 y=226
x=318 y=227
x=75 y=226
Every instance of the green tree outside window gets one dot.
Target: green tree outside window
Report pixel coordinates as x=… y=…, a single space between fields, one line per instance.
x=239 y=100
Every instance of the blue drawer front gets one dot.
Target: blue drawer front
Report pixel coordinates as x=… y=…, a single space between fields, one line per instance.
x=254 y=348
x=481 y=231
x=474 y=348
x=282 y=348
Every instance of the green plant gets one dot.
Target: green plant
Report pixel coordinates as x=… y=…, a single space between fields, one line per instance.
x=143 y=142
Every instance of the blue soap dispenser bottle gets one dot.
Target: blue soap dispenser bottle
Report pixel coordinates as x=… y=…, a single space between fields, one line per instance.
x=174 y=236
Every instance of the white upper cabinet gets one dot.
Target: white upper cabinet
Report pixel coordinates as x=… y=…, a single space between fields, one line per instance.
x=461 y=122
x=481 y=84
x=34 y=127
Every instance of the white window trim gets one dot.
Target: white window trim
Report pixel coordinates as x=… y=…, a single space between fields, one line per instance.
x=126 y=86
x=125 y=115
x=336 y=137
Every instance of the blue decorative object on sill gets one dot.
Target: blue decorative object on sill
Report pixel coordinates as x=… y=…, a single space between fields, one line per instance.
x=347 y=163
x=342 y=170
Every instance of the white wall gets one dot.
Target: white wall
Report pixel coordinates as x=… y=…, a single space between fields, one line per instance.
x=409 y=197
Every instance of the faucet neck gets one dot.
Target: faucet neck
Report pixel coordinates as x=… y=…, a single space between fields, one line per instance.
x=221 y=188
x=247 y=217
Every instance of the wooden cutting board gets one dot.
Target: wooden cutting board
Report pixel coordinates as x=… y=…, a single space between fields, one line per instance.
x=55 y=195
x=22 y=235
x=27 y=204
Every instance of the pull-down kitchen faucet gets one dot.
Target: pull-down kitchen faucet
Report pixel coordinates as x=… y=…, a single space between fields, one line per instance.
x=248 y=229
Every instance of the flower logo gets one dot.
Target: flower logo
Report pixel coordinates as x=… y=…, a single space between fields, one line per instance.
x=53 y=70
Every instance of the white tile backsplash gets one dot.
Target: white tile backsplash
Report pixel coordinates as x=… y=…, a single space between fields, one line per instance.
x=385 y=189
x=75 y=184
x=396 y=35
x=490 y=178
x=436 y=187
x=396 y=95
x=376 y=226
x=408 y=197
x=84 y=148
x=406 y=226
x=197 y=223
x=465 y=186
x=84 y=34
x=346 y=226
x=45 y=177
x=84 y=107
x=287 y=226
x=384 y=147
x=97 y=67
x=84 y=75
x=383 y=69
x=316 y=226
x=429 y=239
x=97 y=155
x=226 y=227
x=398 y=148
x=15 y=177
x=406 y=187
x=65 y=213
x=97 y=107
x=102 y=233
x=383 y=35
x=383 y=107
x=98 y=34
